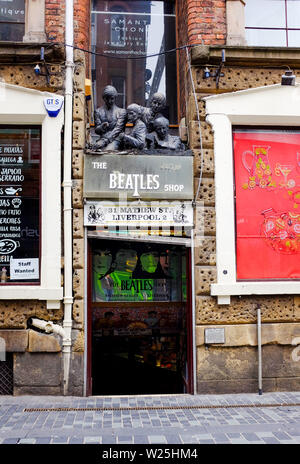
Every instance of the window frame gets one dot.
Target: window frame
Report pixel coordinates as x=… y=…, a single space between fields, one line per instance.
x=286 y=28
x=274 y=105
x=25 y=107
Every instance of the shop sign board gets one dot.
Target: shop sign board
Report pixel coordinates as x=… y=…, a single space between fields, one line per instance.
x=138 y=176
x=12 y=11
x=135 y=214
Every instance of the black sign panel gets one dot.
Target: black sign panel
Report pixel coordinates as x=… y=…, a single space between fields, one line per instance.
x=12 y=11
x=20 y=151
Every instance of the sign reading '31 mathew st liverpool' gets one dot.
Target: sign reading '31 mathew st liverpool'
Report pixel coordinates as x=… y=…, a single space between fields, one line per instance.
x=138 y=176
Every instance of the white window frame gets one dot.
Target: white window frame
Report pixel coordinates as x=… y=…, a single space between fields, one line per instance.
x=22 y=106
x=274 y=105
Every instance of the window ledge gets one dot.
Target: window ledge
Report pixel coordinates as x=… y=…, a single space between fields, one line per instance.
x=30 y=292
x=246 y=55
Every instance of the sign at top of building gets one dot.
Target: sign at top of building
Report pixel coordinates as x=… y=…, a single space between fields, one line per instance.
x=138 y=176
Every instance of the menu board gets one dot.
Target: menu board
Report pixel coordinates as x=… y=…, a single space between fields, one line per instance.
x=20 y=152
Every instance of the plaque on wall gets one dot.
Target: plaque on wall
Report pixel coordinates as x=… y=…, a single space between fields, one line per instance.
x=20 y=150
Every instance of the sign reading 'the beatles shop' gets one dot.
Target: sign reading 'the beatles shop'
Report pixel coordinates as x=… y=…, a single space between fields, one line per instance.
x=138 y=176
x=20 y=150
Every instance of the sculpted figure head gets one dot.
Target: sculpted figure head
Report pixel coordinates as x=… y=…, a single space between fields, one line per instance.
x=109 y=95
x=158 y=102
x=161 y=127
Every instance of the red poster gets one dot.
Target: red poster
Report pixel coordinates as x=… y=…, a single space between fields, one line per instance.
x=267 y=184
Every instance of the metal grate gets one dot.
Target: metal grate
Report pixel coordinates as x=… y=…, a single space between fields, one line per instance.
x=6 y=375
x=146 y=408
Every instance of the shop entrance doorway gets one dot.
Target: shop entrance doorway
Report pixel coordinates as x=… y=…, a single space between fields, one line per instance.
x=139 y=318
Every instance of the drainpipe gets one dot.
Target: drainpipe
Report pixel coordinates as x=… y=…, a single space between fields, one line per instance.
x=47 y=326
x=67 y=188
x=259 y=350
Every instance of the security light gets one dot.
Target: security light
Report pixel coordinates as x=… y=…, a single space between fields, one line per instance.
x=288 y=78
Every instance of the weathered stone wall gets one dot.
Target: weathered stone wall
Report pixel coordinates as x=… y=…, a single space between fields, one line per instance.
x=232 y=367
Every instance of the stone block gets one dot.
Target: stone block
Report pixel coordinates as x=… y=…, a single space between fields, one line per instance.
x=193 y=111
x=77 y=164
x=39 y=390
x=78 y=283
x=211 y=387
x=79 y=76
x=206 y=134
x=205 y=251
x=205 y=220
x=78 y=229
x=40 y=343
x=38 y=370
x=78 y=343
x=79 y=111
x=76 y=378
x=78 y=311
x=206 y=161
x=15 y=340
x=15 y=313
x=246 y=334
x=204 y=276
x=78 y=253
x=78 y=135
x=206 y=192
x=77 y=193
x=243 y=310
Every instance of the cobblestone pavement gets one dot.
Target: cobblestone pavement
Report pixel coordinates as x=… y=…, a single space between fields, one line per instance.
x=272 y=418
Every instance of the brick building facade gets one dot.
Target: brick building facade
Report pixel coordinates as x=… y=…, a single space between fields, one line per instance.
x=215 y=31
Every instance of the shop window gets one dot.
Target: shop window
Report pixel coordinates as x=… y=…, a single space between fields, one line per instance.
x=12 y=20
x=20 y=152
x=273 y=23
x=257 y=172
x=138 y=273
x=267 y=203
x=133 y=29
x=30 y=212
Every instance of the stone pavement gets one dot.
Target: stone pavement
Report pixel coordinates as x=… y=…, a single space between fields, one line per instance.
x=272 y=418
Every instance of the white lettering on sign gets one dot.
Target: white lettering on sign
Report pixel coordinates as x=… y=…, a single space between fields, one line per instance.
x=135 y=182
x=174 y=188
x=24 y=269
x=97 y=165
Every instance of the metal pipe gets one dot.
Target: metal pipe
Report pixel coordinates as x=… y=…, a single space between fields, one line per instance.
x=193 y=313
x=67 y=187
x=259 y=350
x=48 y=326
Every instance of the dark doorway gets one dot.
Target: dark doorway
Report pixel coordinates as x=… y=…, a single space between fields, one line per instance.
x=138 y=318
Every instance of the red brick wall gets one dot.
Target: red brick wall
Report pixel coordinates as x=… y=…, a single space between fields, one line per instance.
x=198 y=22
x=206 y=21
x=55 y=20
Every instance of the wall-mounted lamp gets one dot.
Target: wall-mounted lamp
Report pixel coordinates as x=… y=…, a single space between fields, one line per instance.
x=288 y=78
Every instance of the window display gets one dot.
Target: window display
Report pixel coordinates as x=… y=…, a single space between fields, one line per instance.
x=267 y=183
x=138 y=272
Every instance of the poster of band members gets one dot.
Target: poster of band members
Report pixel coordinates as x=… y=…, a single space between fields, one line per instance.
x=267 y=183
x=138 y=272
x=20 y=150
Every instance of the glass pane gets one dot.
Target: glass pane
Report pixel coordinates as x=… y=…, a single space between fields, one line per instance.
x=293 y=13
x=138 y=273
x=266 y=38
x=131 y=30
x=294 y=38
x=265 y=13
x=12 y=32
x=12 y=11
x=20 y=151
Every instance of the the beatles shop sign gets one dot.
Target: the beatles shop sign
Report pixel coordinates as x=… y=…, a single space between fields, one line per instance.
x=138 y=177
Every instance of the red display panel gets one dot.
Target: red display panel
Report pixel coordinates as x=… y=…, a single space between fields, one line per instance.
x=267 y=187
